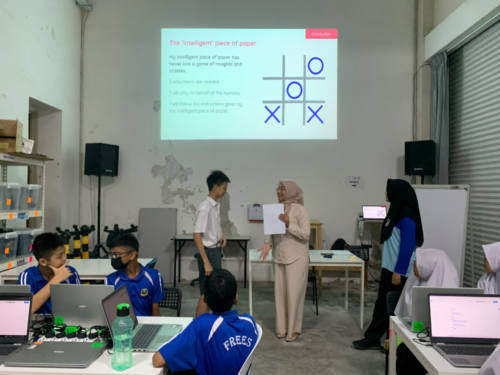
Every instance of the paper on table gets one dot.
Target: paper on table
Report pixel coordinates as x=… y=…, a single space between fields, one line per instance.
x=272 y=223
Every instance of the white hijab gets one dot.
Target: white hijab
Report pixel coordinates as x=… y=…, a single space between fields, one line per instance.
x=436 y=269
x=490 y=282
x=492 y=365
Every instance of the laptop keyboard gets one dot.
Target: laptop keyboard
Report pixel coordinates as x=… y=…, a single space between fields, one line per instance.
x=145 y=336
x=6 y=350
x=467 y=350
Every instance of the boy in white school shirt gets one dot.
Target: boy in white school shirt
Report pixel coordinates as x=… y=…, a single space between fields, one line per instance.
x=208 y=235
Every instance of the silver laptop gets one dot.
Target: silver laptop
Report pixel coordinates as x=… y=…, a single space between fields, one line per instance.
x=80 y=304
x=15 y=314
x=420 y=319
x=374 y=213
x=56 y=355
x=14 y=288
x=464 y=328
x=146 y=337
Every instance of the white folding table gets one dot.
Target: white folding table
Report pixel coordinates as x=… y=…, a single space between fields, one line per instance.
x=88 y=269
x=339 y=259
x=142 y=362
x=434 y=363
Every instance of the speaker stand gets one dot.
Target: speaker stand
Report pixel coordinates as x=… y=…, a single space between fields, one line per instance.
x=98 y=247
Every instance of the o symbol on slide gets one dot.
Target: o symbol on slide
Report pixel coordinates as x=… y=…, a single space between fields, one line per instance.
x=288 y=92
x=309 y=65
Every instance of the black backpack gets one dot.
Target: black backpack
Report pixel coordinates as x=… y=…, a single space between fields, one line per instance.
x=339 y=244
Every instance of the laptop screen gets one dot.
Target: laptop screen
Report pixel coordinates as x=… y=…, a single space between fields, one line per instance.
x=465 y=316
x=374 y=212
x=111 y=302
x=15 y=313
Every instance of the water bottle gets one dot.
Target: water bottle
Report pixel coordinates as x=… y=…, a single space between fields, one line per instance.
x=323 y=246
x=122 y=339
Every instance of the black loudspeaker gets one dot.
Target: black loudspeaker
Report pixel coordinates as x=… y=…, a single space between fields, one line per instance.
x=101 y=159
x=420 y=158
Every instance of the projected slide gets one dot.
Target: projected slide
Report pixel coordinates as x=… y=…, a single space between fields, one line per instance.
x=248 y=84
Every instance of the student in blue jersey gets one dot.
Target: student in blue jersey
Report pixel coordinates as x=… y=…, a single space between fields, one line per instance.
x=144 y=285
x=401 y=234
x=52 y=268
x=213 y=344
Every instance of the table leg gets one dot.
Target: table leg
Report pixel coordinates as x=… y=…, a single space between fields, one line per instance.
x=392 y=350
x=320 y=279
x=320 y=239
x=250 y=287
x=179 y=274
x=362 y=297
x=346 y=288
x=175 y=262
x=315 y=243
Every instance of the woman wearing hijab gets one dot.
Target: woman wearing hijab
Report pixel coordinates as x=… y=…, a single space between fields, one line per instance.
x=490 y=281
x=291 y=261
x=432 y=268
x=401 y=234
x=492 y=364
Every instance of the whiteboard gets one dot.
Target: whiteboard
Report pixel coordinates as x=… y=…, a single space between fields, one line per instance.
x=444 y=210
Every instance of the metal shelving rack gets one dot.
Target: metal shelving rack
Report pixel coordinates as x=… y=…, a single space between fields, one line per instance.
x=19 y=161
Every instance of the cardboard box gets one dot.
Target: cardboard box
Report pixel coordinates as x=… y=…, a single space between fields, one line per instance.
x=11 y=129
x=11 y=144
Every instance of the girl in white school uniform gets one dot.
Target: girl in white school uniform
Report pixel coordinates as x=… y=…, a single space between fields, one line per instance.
x=490 y=281
x=432 y=268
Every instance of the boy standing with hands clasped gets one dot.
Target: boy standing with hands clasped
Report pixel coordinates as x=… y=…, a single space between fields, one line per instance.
x=208 y=235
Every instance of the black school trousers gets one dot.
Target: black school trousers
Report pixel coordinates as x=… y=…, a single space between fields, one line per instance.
x=380 y=321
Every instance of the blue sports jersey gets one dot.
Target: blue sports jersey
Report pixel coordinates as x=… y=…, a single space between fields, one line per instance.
x=33 y=277
x=212 y=344
x=144 y=290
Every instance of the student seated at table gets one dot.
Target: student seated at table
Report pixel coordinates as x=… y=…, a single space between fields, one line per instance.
x=52 y=268
x=432 y=268
x=145 y=285
x=490 y=281
x=214 y=343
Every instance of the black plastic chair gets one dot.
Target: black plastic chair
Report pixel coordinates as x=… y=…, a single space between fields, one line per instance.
x=152 y=263
x=312 y=279
x=172 y=300
x=392 y=300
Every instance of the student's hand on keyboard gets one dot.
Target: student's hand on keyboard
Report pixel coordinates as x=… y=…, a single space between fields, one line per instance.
x=61 y=274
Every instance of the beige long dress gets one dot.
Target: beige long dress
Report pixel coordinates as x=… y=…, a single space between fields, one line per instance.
x=291 y=268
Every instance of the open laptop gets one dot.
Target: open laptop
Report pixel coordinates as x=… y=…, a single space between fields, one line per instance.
x=15 y=288
x=464 y=328
x=145 y=337
x=15 y=314
x=79 y=304
x=374 y=213
x=420 y=319
x=56 y=355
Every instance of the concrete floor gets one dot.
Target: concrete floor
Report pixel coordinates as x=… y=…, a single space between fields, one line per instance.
x=325 y=344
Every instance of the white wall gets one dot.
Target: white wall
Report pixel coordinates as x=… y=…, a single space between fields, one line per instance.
x=443 y=8
x=122 y=82
x=40 y=58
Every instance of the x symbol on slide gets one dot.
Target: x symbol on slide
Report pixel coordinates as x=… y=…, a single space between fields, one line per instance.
x=315 y=114
x=272 y=114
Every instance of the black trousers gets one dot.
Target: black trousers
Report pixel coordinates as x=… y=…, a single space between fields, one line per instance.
x=407 y=363
x=380 y=321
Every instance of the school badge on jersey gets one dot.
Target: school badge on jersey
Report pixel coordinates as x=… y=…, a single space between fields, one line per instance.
x=144 y=292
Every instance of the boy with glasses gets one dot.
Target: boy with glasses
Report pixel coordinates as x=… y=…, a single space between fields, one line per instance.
x=144 y=285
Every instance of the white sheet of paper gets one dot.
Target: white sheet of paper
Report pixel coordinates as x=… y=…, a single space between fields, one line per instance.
x=272 y=223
